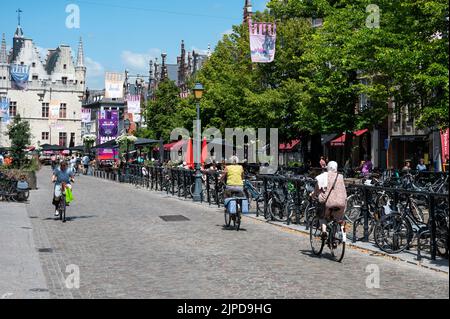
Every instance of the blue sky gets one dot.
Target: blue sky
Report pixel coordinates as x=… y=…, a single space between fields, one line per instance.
x=121 y=35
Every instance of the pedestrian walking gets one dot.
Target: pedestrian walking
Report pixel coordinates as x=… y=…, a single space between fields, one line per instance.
x=323 y=163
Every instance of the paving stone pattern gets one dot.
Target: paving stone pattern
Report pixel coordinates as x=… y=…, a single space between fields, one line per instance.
x=125 y=250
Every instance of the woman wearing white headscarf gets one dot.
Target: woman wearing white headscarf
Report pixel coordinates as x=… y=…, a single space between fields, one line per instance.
x=331 y=191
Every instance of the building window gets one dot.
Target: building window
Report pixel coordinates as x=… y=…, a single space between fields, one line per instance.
x=45 y=136
x=45 y=110
x=63 y=139
x=65 y=66
x=33 y=64
x=35 y=77
x=64 y=80
x=72 y=140
x=63 y=111
x=12 y=109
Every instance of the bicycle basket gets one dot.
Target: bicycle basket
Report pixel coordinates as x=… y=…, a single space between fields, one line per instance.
x=230 y=205
x=22 y=185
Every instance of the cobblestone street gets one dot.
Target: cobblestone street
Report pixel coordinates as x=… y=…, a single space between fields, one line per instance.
x=125 y=250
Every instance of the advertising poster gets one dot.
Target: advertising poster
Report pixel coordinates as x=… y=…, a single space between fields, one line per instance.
x=262 y=42
x=53 y=115
x=86 y=115
x=4 y=110
x=114 y=85
x=108 y=130
x=19 y=76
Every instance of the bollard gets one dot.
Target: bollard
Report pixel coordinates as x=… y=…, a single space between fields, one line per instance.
x=184 y=185
x=432 y=223
x=365 y=209
x=207 y=189
x=297 y=202
x=152 y=176
x=172 y=181
x=216 y=186
x=265 y=197
x=178 y=183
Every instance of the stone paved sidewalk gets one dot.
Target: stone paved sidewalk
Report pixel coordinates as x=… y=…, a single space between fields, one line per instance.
x=21 y=275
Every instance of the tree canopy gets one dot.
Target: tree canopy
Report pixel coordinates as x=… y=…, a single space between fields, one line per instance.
x=320 y=74
x=19 y=134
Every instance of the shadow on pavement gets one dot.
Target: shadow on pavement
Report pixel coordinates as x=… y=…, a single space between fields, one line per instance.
x=230 y=228
x=69 y=218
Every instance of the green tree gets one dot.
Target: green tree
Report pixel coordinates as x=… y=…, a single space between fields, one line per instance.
x=20 y=136
x=162 y=114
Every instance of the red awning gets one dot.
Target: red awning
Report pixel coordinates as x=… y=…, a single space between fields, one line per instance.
x=289 y=146
x=340 y=141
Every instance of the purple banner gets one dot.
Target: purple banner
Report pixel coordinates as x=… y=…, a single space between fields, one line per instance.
x=108 y=130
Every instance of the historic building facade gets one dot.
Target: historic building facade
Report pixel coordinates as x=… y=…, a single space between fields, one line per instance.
x=56 y=79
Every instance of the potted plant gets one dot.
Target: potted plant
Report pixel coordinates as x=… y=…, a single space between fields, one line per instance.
x=88 y=142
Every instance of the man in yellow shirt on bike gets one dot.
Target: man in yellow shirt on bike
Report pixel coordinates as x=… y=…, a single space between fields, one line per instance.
x=234 y=176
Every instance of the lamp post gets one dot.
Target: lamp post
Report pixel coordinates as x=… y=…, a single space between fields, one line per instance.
x=198 y=93
x=127 y=125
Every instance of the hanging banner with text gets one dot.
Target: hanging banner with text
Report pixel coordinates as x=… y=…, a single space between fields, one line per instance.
x=263 y=38
x=444 y=145
x=134 y=104
x=114 y=85
x=53 y=115
x=19 y=76
x=4 y=110
x=108 y=129
x=86 y=115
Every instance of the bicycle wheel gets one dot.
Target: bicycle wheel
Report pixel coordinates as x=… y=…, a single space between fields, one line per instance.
x=228 y=218
x=62 y=209
x=64 y=213
x=356 y=228
x=237 y=221
x=393 y=234
x=310 y=212
x=277 y=211
x=260 y=207
x=291 y=211
x=315 y=237
x=354 y=204
x=337 y=242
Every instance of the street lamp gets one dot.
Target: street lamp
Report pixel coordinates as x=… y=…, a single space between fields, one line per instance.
x=127 y=126
x=198 y=93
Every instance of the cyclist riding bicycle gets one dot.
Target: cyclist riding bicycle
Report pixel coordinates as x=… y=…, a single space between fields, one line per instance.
x=331 y=194
x=61 y=175
x=233 y=174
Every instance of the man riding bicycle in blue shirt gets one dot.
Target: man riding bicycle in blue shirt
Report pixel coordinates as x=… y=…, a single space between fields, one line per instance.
x=61 y=175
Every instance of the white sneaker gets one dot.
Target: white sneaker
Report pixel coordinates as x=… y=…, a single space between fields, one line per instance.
x=57 y=213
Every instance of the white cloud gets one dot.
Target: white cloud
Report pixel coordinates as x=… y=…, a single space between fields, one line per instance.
x=94 y=68
x=139 y=62
x=95 y=73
